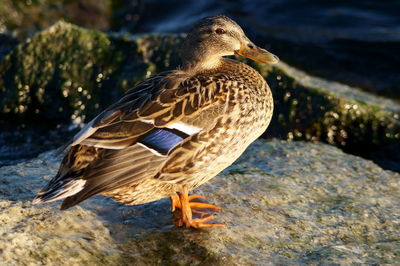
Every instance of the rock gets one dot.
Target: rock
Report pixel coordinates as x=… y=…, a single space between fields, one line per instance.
x=284 y=203
x=67 y=73
x=23 y=18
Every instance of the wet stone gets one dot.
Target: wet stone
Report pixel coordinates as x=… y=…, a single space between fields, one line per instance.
x=283 y=202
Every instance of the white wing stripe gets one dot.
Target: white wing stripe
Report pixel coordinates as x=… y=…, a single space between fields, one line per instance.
x=185 y=128
x=148 y=121
x=152 y=150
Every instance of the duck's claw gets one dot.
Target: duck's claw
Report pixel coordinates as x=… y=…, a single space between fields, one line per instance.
x=202 y=223
x=194 y=214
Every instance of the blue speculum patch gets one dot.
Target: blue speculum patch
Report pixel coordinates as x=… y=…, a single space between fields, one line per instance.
x=162 y=139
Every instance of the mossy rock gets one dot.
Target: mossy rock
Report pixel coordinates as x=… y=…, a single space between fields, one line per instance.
x=67 y=73
x=309 y=108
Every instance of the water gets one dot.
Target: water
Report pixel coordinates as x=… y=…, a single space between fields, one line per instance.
x=364 y=20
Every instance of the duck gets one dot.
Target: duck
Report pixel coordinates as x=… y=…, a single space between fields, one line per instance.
x=174 y=131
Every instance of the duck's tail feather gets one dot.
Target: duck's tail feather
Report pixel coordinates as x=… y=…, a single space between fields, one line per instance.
x=61 y=190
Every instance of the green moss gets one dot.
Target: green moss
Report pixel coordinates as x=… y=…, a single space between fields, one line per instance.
x=160 y=52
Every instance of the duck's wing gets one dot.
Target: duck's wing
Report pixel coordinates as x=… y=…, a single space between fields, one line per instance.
x=117 y=126
x=132 y=138
x=158 y=102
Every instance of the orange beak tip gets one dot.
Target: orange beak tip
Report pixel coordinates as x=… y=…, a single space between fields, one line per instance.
x=257 y=54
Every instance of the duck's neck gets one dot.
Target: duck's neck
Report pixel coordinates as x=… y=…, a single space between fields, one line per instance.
x=199 y=56
x=201 y=63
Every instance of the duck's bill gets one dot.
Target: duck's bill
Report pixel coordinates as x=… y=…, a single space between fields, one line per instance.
x=257 y=54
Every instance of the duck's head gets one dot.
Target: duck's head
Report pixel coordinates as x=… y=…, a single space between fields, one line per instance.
x=218 y=36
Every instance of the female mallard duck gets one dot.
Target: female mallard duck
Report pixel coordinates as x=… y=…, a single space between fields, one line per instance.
x=174 y=131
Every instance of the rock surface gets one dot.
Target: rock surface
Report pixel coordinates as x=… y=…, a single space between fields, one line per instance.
x=284 y=202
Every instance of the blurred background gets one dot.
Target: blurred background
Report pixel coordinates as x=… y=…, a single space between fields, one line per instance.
x=352 y=42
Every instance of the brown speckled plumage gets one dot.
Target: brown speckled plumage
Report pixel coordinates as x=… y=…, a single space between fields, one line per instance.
x=214 y=106
x=199 y=159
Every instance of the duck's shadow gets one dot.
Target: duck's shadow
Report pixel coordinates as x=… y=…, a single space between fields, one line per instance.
x=127 y=223
x=148 y=229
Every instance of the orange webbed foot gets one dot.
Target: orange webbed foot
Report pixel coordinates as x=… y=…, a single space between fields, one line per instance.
x=194 y=211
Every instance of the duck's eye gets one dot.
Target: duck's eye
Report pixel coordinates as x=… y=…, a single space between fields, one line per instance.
x=220 y=31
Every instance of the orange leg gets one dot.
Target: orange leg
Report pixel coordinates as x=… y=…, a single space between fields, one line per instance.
x=182 y=202
x=175 y=202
